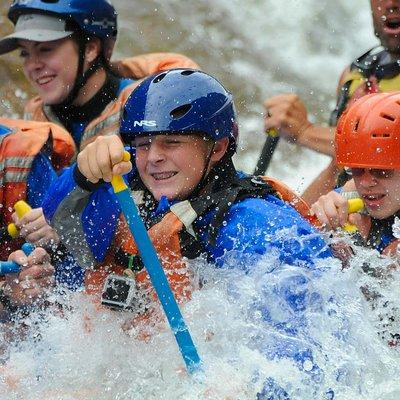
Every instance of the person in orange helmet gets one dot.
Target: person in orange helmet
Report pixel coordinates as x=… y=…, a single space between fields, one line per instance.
x=368 y=145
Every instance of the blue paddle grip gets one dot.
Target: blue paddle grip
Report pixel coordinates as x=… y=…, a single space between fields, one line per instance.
x=11 y=267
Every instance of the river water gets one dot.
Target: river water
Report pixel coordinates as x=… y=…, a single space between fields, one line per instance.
x=84 y=354
x=257 y=48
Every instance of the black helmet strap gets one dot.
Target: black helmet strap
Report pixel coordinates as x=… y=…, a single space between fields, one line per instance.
x=203 y=180
x=378 y=62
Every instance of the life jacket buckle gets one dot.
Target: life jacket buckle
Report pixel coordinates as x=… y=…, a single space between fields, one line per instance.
x=258 y=181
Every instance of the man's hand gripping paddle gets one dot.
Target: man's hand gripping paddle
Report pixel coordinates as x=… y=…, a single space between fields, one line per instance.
x=11 y=267
x=156 y=273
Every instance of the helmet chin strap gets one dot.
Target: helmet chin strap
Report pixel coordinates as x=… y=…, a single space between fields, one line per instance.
x=203 y=180
x=81 y=76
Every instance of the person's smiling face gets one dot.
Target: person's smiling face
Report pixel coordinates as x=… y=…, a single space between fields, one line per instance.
x=381 y=196
x=171 y=165
x=51 y=67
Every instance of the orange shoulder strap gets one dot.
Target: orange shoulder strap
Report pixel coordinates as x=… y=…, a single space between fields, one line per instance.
x=147 y=64
x=296 y=201
x=107 y=123
x=165 y=237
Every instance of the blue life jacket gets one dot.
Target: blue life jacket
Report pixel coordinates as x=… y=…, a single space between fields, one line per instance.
x=268 y=215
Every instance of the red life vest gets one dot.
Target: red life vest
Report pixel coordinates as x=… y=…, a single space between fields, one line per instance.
x=18 y=149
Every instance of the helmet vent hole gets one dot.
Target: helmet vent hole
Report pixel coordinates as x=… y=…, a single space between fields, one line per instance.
x=355 y=129
x=381 y=135
x=50 y=1
x=159 y=78
x=389 y=117
x=181 y=111
x=187 y=72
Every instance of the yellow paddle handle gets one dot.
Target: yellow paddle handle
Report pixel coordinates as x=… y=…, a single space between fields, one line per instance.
x=273 y=132
x=117 y=181
x=21 y=207
x=354 y=205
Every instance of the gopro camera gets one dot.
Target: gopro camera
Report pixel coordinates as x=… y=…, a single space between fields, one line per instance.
x=120 y=292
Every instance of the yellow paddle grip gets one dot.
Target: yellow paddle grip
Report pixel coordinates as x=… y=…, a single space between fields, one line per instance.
x=21 y=207
x=354 y=205
x=117 y=181
x=273 y=132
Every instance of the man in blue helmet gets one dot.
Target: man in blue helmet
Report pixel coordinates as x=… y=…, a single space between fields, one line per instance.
x=181 y=126
x=176 y=106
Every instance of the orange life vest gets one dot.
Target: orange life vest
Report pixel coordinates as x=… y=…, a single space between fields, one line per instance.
x=108 y=122
x=18 y=149
x=296 y=201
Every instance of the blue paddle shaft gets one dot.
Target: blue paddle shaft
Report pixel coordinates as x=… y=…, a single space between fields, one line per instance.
x=159 y=280
x=11 y=267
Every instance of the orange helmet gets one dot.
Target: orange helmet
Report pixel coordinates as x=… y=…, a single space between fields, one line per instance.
x=368 y=133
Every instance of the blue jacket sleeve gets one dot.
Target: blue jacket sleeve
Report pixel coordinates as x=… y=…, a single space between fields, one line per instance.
x=255 y=227
x=42 y=175
x=57 y=192
x=83 y=217
x=84 y=223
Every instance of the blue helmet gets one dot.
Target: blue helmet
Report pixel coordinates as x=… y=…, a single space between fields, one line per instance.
x=94 y=17
x=180 y=101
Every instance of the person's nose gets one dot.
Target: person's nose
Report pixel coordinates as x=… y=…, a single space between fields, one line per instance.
x=391 y=4
x=33 y=63
x=156 y=153
x=367 y=180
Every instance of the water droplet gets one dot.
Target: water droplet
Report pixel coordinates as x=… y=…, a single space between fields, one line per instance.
x=307 y=365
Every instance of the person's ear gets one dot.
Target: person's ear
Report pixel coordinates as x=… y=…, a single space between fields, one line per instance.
x=220 y=148
x=92 y=50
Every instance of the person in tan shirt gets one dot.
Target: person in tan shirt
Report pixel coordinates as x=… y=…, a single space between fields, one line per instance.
x=377 y=70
